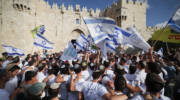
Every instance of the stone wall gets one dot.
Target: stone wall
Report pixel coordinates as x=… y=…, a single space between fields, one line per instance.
x=128 y=13
x=19 y=17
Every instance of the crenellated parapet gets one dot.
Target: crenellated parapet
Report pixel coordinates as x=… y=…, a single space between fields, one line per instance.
x=21 y=5
x=25 y=5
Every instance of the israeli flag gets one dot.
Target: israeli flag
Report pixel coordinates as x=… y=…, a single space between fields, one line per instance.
x=69 y=53
x=81 y=42
x=99 y=28
x=131 y=37
x=13 y=51
x=42 y=42
x=174 y=22
x=110 y=44
x=160 y=52
x=41 y=30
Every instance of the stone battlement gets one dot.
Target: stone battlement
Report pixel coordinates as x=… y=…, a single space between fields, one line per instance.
x=137 y=2
x=24 y=5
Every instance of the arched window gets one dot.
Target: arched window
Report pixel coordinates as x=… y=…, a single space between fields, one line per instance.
x=21 y=6
x=77 y=21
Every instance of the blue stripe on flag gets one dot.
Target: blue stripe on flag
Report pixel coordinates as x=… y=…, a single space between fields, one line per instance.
x=11 y=54
x=92 y=21
x=109 y=46
x=99 y=37
x=123 y=32
x=76 y=43
x=174 y=25
x=84 y=37
x=42 y=46
x=44 y=38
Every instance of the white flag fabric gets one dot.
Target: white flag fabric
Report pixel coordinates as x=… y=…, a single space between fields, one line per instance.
x=160 y=52
x=131 y=37
x=99 y=28
x=81 y=42
x=174 y=22
x=110 y=45
x=69 y=53
x=42 y=42
x=13 y=51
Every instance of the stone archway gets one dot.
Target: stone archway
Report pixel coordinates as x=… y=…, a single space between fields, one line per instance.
x=76 y=33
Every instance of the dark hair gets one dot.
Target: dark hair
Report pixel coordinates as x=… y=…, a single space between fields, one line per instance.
x=29 y=75
x=16 y=59
x=142 y=64
x=64 y=70
x=31 y=62
x=50 y=97
x=96 y=75
x=53 y=91
x=41 y=66
x=154 y=67
x=154 y=83
x=123 y=60
x=106 y=64
x=15 y=67
x=132 y=69
x=118 y=71
x=4 y=53
x=119 y=83
x=77 y=68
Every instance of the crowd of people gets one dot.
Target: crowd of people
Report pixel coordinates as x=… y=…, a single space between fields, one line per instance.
x=121 y=76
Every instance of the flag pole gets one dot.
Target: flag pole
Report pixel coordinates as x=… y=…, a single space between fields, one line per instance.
x=164 y=28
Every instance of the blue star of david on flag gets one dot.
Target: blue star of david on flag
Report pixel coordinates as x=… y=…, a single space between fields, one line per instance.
x=98 y=28
x=42 y=42
x=13 y=51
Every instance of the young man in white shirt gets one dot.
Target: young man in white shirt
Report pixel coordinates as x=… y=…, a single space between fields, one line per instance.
x=4 y=77
x=41 y=76
x=93 y=90
x=13 y=82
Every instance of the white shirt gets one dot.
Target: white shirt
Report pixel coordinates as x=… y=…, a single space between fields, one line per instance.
x=126 y=68
x=4 y=95
x=141 y=76
x=40 y=76
x=86 y=75
x=74 y=95
x=110 y=74
x=92 y=90
x=5 y=64
x=131 y=79
x=11 y=85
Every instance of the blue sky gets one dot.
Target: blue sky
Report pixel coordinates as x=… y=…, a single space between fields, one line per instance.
x=158 y=11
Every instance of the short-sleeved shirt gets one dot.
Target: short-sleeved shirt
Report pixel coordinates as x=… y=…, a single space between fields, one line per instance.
x=141 y=76
x=92 y=90
x=11 y=85
x=40 y=76
x=4 y=95
x=131 y=78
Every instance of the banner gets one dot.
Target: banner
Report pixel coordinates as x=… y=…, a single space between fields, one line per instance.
x=99 y=28
x=42 y=42
x=13 y=51
x=172 y=32
x=69 y=53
